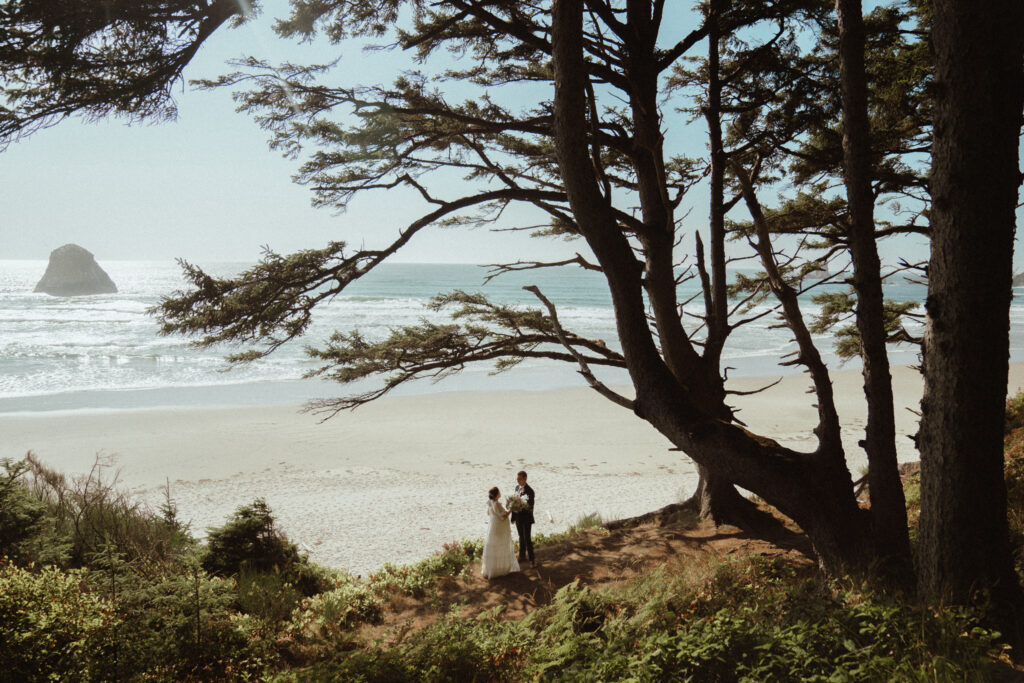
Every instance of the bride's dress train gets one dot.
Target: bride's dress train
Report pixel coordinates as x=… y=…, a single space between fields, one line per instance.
x=499 y=556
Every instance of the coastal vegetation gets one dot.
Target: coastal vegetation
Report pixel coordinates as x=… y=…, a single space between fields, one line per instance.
x=142 y=599
x=825 y=132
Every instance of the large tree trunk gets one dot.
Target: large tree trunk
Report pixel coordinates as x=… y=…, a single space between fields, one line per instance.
x=715 y=498
x=964 y=548
x=815 y=490
x=888 y=506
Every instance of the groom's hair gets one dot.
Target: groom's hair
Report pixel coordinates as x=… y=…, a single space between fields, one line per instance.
x=493 y=493
x=521 y=473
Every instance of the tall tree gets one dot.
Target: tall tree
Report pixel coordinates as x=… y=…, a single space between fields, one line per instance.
x=408 y=131
x=975 y=179
x=888 y=507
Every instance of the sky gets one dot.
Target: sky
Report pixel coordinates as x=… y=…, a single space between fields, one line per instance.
x=206 y=187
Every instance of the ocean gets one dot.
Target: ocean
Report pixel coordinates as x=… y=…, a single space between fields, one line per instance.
x=105 y=352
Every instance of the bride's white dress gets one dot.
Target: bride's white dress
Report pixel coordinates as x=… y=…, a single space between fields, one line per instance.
x=499 y=556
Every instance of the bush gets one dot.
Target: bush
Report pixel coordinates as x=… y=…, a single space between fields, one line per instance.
x=89 y=514
x=26 y=529
x=54 y=628
x=338 y=609
x=453 y=649
x=176 y=627
x=1014 y=412
x=752 y=620
x=267 y=595
x=251 y=542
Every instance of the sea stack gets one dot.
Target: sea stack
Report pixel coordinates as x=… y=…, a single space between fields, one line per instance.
x=73 y=271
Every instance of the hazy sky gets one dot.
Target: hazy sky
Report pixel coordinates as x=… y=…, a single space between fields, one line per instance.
x=206 y=187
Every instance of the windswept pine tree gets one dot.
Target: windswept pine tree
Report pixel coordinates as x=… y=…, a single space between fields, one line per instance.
x=767 y=96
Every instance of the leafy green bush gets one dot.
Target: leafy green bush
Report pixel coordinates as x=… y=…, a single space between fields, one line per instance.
x=753 y=620
x=176 y=627
x=453 y=649
x=418 y=579
x=53 y=627
x=742 y=620
x=340 y=608
x=267 y=595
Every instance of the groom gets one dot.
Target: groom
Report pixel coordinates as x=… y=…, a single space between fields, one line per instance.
x=524 y=519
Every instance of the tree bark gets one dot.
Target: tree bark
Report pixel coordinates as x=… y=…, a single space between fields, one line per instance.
x=718 y=325
x=715 y=498
x=964 y=547
x=888 y=506
x=815 y=490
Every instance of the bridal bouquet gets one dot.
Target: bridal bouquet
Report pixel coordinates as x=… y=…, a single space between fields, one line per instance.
x=514 y=503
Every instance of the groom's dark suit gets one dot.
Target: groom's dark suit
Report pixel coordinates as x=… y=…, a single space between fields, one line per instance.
x=524 y=521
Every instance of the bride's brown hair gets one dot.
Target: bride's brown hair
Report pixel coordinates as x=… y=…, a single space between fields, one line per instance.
x=493 y=493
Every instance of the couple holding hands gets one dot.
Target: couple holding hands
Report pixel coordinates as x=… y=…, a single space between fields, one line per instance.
x=499 y=556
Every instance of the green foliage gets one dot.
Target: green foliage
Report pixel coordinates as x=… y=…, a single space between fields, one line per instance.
x=1014 y=413
x=480 y=331
x=26 y=529
x=837 y=307
x=97 y=58
x=266 y=595
x=338 y=609
x=454 y=649
x=54 y=628
x=251 y=543
x=746 y=619
x=589 y=521
x=586 y=522
x=418 y=579
x=179 y=626
x=89 y=514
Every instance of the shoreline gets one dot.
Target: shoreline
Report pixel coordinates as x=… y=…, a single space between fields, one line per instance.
x=397 y=478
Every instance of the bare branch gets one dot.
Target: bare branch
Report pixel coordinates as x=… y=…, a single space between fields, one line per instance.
x=733 y=392
x=596 y=384
x=498 y=269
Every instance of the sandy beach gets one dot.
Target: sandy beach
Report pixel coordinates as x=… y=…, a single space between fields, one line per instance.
x=395 y=479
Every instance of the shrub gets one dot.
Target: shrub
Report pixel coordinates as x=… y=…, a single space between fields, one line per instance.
x=453 y=649
x=53 y=626
x=251 y=541
x=90 y=513
x=176 y=627
x=267 y=595
x=1014 y=412
x=26 y=529
x=752 y=620
x=340 y=608
x=591 y=521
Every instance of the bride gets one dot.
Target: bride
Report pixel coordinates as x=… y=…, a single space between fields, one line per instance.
x=498 y=558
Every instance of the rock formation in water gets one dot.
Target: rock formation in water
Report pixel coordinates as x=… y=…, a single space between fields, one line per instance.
x=73 y=271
